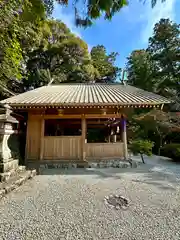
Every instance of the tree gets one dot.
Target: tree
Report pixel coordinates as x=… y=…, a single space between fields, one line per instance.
x=105 y=64
x=159 y=124
x=164 y=47
x=141 y=147
x=18 y=20
x=141 y=70
x=64 y=57
x=157 y=68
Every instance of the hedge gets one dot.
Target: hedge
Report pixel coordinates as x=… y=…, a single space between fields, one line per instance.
x=172 y=151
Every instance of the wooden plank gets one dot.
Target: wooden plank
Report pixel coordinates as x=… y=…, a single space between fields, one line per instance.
x=104 y=150
x=33 y=137
x=56 y=148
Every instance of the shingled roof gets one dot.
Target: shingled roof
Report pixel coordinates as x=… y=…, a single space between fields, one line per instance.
x=85 y=95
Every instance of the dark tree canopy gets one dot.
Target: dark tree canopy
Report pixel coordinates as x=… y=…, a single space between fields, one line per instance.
x=157 y=68
x=164 y=47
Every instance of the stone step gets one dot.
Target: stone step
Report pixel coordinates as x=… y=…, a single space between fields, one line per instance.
x=4 y=177
x=15 y=181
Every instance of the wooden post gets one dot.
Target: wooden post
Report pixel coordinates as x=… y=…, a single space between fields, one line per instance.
x=42 y=140
x=124 y=138
x=27 y=140
x=83 y=143
x=115 y=137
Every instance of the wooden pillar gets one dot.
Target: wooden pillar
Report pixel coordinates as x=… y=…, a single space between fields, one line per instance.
x=83 y=143
x=115 y=134
x=114 y=138
x=124 y=138
x=42 y=139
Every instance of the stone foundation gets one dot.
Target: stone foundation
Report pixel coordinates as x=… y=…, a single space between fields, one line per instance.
x=91 y=164
x=6 y=176
x=110 y=163
x=10 y=164
x=15 y=181
x=11 y=174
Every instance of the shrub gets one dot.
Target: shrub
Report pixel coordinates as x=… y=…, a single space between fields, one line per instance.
x=141 y=147
x=172 y=151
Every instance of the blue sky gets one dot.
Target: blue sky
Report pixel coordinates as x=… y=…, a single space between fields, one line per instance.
x=127 y=31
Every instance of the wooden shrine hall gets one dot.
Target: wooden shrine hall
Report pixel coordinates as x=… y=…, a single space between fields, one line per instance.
x=80 y=122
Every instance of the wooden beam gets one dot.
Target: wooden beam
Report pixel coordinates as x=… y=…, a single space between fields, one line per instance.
x=87 y=116
x=78 y=121
x=71 y=116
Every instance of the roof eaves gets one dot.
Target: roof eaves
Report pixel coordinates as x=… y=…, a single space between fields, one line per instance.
x=88 y=104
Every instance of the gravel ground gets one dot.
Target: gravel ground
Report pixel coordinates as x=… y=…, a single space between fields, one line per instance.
x=69 y=205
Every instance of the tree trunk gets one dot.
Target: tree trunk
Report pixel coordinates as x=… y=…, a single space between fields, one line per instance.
x=142 y=157
x=160 y=145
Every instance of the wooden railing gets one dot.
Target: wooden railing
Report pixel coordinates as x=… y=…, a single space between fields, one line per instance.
x=104 y=150
x=63 y=147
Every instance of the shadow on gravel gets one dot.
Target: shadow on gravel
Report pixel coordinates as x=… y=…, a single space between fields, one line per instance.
x=146 y=174
x=76 y=172
x=161 y=185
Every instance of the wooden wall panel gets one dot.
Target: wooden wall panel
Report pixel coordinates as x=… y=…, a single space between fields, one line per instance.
x=64 y=147
x=104 y=150
x=33 y=137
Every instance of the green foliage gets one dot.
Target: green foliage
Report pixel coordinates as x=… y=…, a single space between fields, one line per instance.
x=142 y=147
x=38 y=50
x=12 y=58
x=141 y=70
x=105 y=64
x=164 y=49
x=157 y=68
x=94 y=9
x=19 y=21
x=65 y=57
x=172 y=151
x=156 y=125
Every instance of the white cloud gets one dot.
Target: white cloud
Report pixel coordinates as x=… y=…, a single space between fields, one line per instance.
x=151 y=16
x=67 y=18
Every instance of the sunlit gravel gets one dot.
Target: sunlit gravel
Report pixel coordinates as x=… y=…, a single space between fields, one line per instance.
x=70 y=205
